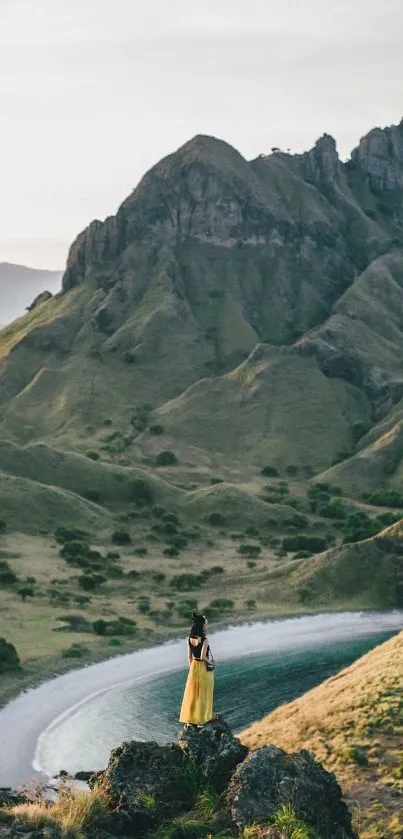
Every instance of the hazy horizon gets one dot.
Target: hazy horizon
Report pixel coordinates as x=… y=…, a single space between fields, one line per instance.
x=93 y=93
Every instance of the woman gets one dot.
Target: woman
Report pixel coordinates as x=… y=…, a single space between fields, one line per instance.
x=197 y=705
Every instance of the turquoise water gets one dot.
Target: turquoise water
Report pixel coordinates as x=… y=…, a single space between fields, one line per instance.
x=245 y=690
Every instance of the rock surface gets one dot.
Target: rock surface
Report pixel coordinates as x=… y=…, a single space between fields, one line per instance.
x=270 y=777
x=214 y=749
x=43 y=297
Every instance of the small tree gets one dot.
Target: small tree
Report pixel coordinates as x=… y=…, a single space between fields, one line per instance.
x=25 y=591
x=166 y=458
x=9 y=658
x=100 y=626
x=121 y=537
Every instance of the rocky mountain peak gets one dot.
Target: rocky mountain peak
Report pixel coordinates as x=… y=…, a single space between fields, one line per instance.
x=322 y=163
x=379 y=157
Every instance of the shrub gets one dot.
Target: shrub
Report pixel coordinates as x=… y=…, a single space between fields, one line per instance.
x=90 y=581
x=157 y=430
x=24 y=592
x=129 y=357
x=222 y=603
x=303 y=542
x=187 y=582
x=144 y=605
x=216 y=520
x=140 y=552
x=252 y=532
x=93 y=455
x=166 y=458
x=7 y=575
x=269 y=472
x=71 y=534
x=384 y=498
x=92 y=495
x=171 y=551
x=297 y=520
x=250 y=604
x=292 y=470
x=217 y=569
x=141 y=491
x=359 y=429
x=2 y=526
x=355 y=754
x=121 y=537
x=252 y=551
x=359 y=526
x=74 y=548
x=100 y=626
x=333 y=510
x=75 y=651
x=9 y=658
x=140 y=417
x=387 y=519
x=133 y=574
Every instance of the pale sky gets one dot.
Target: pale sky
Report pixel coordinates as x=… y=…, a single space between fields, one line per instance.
x=94 y=92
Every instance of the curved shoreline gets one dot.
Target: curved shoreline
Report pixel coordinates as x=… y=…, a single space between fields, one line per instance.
x=27 y=719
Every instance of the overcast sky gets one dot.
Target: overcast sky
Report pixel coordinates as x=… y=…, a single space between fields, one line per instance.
x=94 y=92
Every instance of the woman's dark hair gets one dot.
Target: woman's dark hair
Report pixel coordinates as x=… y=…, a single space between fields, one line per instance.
x=196 y=630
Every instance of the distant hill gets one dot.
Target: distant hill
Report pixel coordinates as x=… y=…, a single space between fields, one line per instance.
x=20 y=285
x=353 y=724
x=233 y=315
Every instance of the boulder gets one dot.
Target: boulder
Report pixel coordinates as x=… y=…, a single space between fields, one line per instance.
x=144 y=784
x=269 y=778
x=214 y=749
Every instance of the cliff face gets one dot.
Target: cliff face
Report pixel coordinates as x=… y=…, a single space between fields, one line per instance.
x=210 y=256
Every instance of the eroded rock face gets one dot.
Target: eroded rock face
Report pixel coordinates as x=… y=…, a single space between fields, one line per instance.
x=270 y=777
x=215 y=749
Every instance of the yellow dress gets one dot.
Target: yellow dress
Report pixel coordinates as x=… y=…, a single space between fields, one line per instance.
x=197 y=705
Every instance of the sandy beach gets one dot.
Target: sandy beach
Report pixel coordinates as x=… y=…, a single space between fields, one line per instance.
x=29 y=717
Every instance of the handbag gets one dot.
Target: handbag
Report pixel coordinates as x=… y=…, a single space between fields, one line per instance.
x=210 y=665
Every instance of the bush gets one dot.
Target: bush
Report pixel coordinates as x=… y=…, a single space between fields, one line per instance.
x=129 y=357
x=7 y=575
x=269 y=472
x=215 y=481
x=187 y=582
x=92 y=495
x=25 y=591
x=71 y=534
x=75 y=651
x=100 y=626
x=250 y=604
x=303 y=542
x=2 y=526
x=140 y=552
x=74 y=548
x=359 y=526
x=93 y=455
x=157 y=430
x=121 y=537
x=292 y=470
x=222 y=603
x=166 y=458
x=141 y=491
x=9 y=658
x=216 y=520
x=171 y=551
x=332 y=510
x=387 y=519
x=251 y=551
x=90 y=581
x=384 y=498
x=359 y=429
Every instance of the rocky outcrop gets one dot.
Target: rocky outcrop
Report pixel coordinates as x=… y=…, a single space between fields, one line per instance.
x=43 y=297
x=214 y=749
x=270 y=778
x=379 y=157
x=146 y=785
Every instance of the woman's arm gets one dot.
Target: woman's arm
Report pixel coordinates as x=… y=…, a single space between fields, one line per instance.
x=203 y=654
x=190 y=655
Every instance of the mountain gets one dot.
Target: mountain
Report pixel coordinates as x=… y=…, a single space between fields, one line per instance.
x=353 y=723
x=19 y=286
x=234 y=314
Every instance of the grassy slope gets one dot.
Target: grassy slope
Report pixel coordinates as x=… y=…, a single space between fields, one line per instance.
x=352 y=717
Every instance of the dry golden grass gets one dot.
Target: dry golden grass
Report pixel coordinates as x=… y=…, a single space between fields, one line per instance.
x=353 y=724
x=74 y=812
